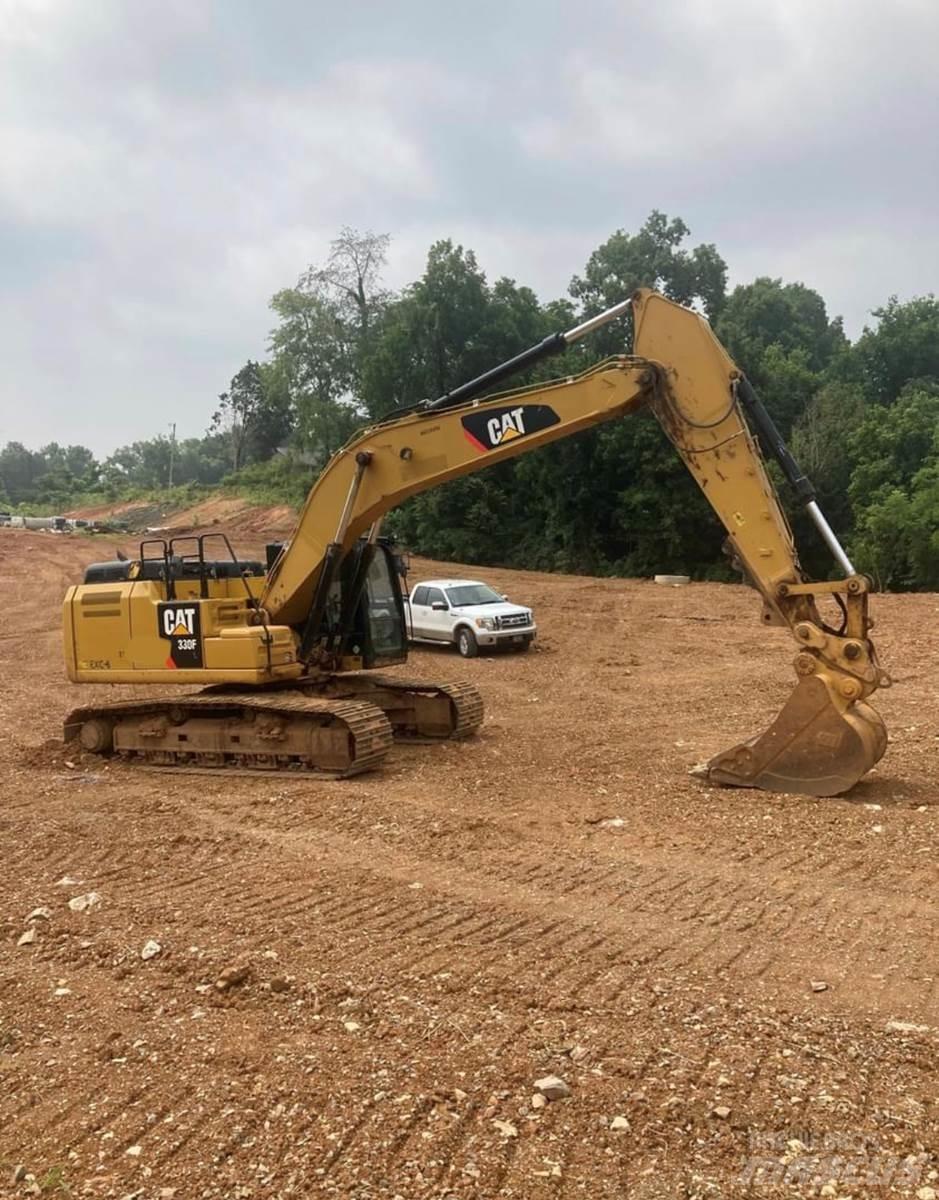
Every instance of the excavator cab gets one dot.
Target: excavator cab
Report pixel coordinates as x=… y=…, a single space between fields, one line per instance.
x=372 y=633
x=363 y=623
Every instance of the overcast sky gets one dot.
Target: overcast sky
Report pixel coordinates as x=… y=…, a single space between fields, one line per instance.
x=166 y=165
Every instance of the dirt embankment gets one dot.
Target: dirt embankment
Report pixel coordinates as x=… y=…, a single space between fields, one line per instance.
x=738 y=989
x=238 y=517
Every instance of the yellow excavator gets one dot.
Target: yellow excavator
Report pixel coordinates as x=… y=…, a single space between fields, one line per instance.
x=288 y=649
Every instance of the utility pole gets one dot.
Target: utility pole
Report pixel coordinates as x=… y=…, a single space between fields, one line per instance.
x=172 y=452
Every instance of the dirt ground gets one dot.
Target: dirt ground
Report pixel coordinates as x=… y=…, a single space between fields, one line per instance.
x=740 y=990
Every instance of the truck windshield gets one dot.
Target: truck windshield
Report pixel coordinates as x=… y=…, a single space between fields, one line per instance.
x=472 y=593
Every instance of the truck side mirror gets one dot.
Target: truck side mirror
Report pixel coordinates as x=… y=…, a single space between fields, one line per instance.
x=439 y=606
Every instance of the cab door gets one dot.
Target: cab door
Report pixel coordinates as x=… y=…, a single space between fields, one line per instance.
x=437 y=617
x=419 y=613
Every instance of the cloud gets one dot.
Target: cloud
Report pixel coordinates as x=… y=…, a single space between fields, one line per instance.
x=166 y=166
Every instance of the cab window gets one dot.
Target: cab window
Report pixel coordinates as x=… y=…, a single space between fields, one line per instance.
x=384 y=617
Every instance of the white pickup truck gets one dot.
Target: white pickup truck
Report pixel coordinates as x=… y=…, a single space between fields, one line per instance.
x=467 y=614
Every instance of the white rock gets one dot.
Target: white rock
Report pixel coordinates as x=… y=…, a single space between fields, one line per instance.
x=351 y=1026
x=926 y=1193
x=819 y=985
x=66 y=881
x=552 y=1087
x=619 y=1123
x=27 y=938
x=134 y=1151
x=62 y=991
x=506 y=1128
x=150 y=950
x=722 y=1112
x=84 y=902
x=905 y=1027
x=538 y=1101
x=40 y=914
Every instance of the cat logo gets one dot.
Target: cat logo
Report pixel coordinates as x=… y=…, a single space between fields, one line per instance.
x=179 y=622
x=509 y=425
x=487 y=429
x=180 y=625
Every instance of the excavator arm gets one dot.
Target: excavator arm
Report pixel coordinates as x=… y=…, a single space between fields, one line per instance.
x=826 y=737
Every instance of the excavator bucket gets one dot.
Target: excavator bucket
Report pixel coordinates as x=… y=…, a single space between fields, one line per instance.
x=819 y=745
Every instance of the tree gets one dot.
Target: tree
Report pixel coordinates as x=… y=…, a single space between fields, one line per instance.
x=449 y=327
x=313 y=364
x=274 y=422
x=19 y=469
x=254 y=414
x=627 y=502
x=429 y=339
x=890 y=446
x=51 y=475
x=781 y=336
x=789 y=316
x=903 y=346
x=351 y=276
x=894 y=488
x=821 y=441
x=654 y=257
x=325 y=334
x=897 y=535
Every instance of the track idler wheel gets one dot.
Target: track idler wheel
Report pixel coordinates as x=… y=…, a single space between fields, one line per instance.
x=820 y=745
x=97 y=735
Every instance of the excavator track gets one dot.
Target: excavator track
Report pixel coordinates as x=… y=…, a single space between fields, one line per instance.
x=271 y=731
x=418 y=710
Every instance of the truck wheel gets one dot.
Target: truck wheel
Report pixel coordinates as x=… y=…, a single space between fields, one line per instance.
x=526 y=645
x=466 y=643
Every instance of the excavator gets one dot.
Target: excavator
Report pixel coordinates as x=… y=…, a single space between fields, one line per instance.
x=289 y=654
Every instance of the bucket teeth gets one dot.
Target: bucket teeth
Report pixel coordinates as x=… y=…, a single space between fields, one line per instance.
x=819 y=745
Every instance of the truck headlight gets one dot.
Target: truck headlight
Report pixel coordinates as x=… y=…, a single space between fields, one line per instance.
x=485 y=623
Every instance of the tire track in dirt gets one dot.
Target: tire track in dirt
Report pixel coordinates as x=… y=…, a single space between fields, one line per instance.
x=768 y=927
x=701 y=931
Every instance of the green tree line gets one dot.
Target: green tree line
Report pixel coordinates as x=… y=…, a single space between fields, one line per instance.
x=861 y=417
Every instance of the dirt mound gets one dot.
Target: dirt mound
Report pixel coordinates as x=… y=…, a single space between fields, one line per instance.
x=273 y=987
x=238 y=516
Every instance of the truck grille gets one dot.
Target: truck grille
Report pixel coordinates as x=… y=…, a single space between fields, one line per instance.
x=515 y=621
